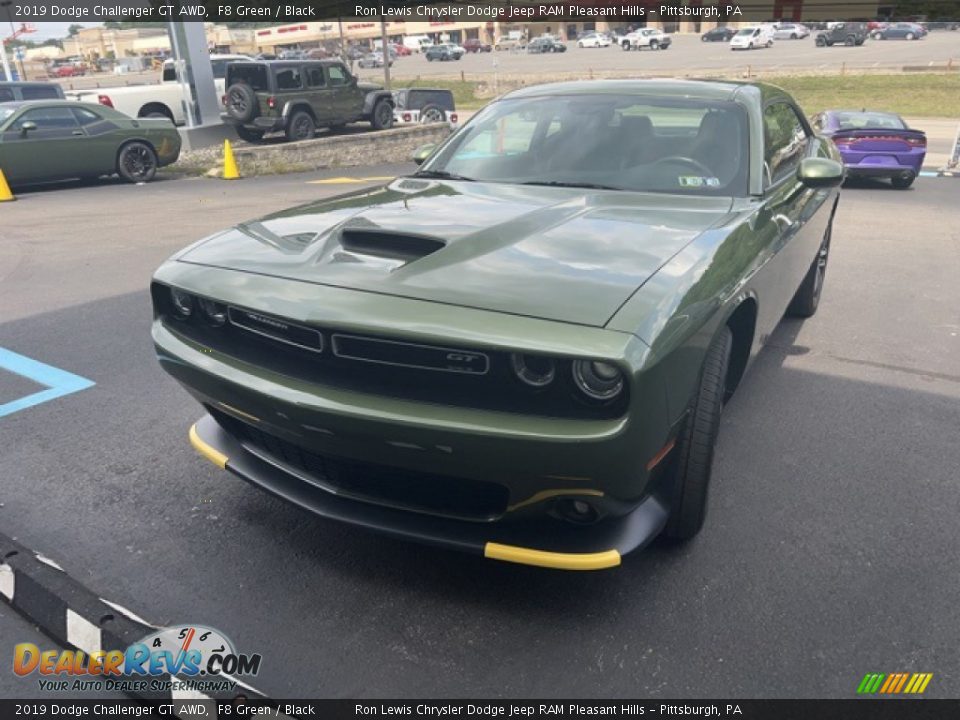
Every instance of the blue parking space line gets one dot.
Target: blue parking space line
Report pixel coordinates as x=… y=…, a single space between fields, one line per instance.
x=929 y=173
x=58 y=382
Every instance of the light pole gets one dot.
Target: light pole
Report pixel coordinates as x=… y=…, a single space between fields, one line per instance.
x=3 y=45
x=386 y=54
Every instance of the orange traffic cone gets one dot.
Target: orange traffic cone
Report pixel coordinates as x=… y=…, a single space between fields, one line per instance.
x=5 y=194
x=230 y=171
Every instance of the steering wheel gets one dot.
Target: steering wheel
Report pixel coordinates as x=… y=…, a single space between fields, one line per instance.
x=696 y=164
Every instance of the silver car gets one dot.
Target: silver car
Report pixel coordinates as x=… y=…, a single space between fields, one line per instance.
x=790 y=31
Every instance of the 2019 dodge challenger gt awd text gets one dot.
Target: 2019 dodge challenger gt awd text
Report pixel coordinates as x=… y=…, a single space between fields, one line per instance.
x=521 y=350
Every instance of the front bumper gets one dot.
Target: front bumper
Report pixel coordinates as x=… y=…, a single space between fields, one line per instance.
x=544 y=543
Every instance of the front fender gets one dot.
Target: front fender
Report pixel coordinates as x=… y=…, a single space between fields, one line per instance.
x=371 y=99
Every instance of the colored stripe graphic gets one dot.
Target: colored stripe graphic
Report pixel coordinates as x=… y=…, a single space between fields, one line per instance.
x=894 y=683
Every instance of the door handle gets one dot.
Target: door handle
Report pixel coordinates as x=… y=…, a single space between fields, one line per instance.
x=77 y=132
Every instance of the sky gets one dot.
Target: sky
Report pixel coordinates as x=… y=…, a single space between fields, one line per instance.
x=47 y=30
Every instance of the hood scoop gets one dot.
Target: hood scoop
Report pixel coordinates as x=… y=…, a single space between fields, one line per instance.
x=381 y=243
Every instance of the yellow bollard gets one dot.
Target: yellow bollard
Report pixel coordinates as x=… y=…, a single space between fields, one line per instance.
x=5 y=194
x=230 y=171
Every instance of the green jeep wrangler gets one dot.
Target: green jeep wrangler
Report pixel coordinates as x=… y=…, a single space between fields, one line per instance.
x=298 y=96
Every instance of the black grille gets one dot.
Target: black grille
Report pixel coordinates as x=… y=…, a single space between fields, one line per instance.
x=383 y=366
x=423 y=492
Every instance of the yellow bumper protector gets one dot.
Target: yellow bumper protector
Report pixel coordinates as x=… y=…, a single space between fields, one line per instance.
x=209 y=452
x=555 y=560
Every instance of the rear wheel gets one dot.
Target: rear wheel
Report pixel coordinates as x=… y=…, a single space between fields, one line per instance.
x=137 y=162
x=850 y=41
x=902 y=183
x=250 y=136
x=694 y=461
x=382 y=118
x=431 y=114
x=820 y=42
x=807 y=299
x=910 y=36
x=654 y=45
x=301 y=126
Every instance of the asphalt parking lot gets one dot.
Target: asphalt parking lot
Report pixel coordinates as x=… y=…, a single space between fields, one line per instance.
x=830 y=550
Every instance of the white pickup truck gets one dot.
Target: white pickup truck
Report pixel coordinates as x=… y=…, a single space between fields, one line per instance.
x=652 y=38
x=159 y=100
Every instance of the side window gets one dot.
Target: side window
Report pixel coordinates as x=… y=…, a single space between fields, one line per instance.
x=6 y=94
x=39 y=92
x=55 y=118
x=338 y=74
x=315 y=77
x=785 y=140
x=289 y=79
x=86 y=117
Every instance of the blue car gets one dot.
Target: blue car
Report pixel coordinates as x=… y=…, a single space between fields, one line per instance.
x=901 y=31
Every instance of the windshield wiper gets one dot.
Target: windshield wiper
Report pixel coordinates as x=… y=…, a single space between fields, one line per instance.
x=441 y=174
x=562 y=183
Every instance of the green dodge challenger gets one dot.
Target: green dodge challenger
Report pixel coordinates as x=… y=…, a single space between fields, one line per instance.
x=521 y=350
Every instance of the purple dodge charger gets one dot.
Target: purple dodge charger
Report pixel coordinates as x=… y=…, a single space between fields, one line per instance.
x=875 y=144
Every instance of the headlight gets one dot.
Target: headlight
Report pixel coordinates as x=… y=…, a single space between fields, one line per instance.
x=182 y=302
x=533 y=370
x=214 y=312
x=598 y=380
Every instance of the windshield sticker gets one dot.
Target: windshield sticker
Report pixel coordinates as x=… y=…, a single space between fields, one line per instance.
x=695 y=181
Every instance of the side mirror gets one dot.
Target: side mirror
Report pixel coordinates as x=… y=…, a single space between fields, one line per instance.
x=422 y=153
x=820 y=172
x=28 y=126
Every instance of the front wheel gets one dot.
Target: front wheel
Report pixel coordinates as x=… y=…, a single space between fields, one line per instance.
x=654 y=45
x=694 y=461
x=137 y=162
x=807 y=299
x=382 y=118
x=910 y=36
x=820 y=42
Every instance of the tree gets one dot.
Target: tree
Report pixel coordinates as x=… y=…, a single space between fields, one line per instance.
x=74 y=29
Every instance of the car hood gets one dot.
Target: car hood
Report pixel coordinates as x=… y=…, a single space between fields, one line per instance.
x=555 y=253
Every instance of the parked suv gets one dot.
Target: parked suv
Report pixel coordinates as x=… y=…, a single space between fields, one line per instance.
x=15 y=91
x=843 y=33
x=297 y=97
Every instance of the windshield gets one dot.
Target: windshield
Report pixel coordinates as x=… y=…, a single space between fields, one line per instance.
x=619 y=142
x=853 y=120
x=746 y=31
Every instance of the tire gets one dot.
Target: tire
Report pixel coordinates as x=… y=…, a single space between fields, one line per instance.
x=654 y=45
x=793 y=36
x=694 y=461
x=300 y=126
x=850 y=41
x=250 y=136
x=431 y=114
x=429 y=58
x=902 y=183
x=820 y=42
x=703 y=38
x=625 y=46
x=910 y=36
x=807 y=299
x=382 y=116
x=137 y=162
x=769 y=43
x=579 y=44
x=750 y=46
x=241 y=102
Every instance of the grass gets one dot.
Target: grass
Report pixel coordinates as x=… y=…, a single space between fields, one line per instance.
x=916 y=94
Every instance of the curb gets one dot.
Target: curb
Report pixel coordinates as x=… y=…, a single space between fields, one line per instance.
x=76 y=617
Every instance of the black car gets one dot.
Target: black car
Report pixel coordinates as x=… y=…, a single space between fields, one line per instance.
x=16 y=91
x=546 y=45
x=846 y=33
x=718 y=34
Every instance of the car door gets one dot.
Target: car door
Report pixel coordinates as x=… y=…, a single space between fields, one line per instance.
x=104 y=137
x=57 y=148
x=788 y=212
x=321 y=97
x=347 y=97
